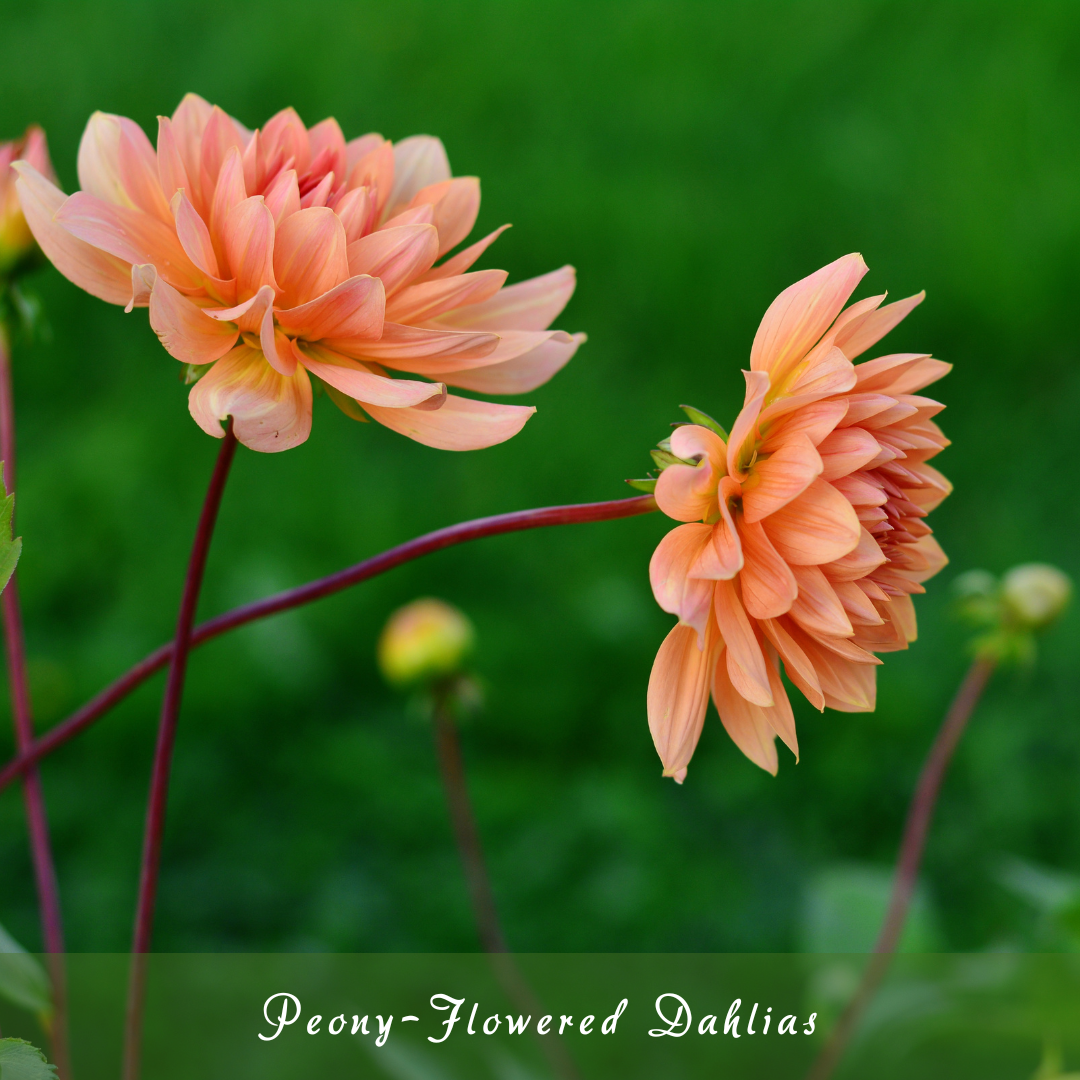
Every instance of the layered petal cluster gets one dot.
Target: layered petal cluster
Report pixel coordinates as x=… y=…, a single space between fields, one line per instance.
x=805 y=534
x=16 y=241
x=270 y=256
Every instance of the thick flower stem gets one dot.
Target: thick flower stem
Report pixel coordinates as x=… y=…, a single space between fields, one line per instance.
x=920 y=813
x=22 y=714
x=159 y=783
x=316 y=590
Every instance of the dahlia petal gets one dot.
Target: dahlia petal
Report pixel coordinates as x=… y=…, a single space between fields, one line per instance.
x=863 y=558
x=100 y=274
x=815 y=421
x=745 y=660
x=832 y=373
x=846 y=686
x=855 y=313
x=419 y=160
x=902 y=613
x=857 y=604
x=248 y=236
x=309 y=255
x=745 y=722
x=860 y=489
x=354 y=209
x=426 y=301
x=229 y=192
x=461 y=262
x=138 y=169
x=800 y=670
x=413 y=348
x=757 y=386
x=819 y=526
x=846 y=451
x=456 y=203
x=395 y=255
x=270 y=412
x=355 y=380
x=725 y=537
x=326 y=139
x=283 y=196
x=418 y=215
x=193 y=235
x=861 y=407
x=352 y=311
x=769 y=587
x=172 y=173
x=936 y=559
x=220 y=136
x=860 y=334
x=525 y=372
x=899 y=373
x=801 y=314
x=98 y=162
x=185 y=330
x=692 y=441
x=669 y=574
x=361 y=146
x=782 y=476
x=687 y=492
x=375 y=171
x=284 y=137
x=679 y=696
x=461 y=424
x=817 y=608
x=248 y=315
x=528 y=305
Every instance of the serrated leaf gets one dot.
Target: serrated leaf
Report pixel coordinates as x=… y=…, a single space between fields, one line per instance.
x=10 y=550
x=704 y=419
x=21 y=1061
x=23 y=981
x=646 y=484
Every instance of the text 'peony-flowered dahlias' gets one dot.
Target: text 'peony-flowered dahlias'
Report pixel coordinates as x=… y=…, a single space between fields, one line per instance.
x=287 y=252
x=806 y=533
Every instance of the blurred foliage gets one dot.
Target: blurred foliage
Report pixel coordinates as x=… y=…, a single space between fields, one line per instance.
x=21 y=1061
x=692 y=159
x=23 y=981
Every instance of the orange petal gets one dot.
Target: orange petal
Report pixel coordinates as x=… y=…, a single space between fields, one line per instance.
x=352 y=311
x=742 y=431
x=220 y=136
x=523 y=373
x=861 y=333
x=817 y=608
x=413 y=348
x=188 y=125
x=801 y=314
x=461 y=424
x=100 y=274
x=283 y=196
x=745 y=660
x=899 y=373
x=860 y=561
x=356 y=381
x=418 y=161
x=172 y=173
x=426 y=301
x=184 y=329
x=846 y=686
x=768 y=584
x=373 y=170
x=846 y=451
x=782 y=476
x=679 y=695
x=814 y=420
x=464 y=259
x=752 y=728
x=669 y=573
x=693 y=442
x=456 y=203
x=395 y=255
x=688 y=492
x=193 y=235
x=249 y=246
x=819 y=526
x=249 y=315
x=856 y=603
x=229 y=192
x=831 y=373
x=328 y=143
x=797 y=664
x=284 y=137
x=98 y=163
x=528 y=305
x=309 y=255
x=356 y=211
x=270 y=412
x=139 y=171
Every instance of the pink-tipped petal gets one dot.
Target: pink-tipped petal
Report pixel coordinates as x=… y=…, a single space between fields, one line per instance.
x=352 y=311
x=355 y=210
x=229 y=192
x=249 y=246
x=745 y=660
x=283 y=196
x=328 y=143
x=413 y=348
x=100 y=274
x=194 y=236
x=285 y=138
x=309 y=255
x=139 y=171
x=424 y=302
x=397 y=256
x=817 y=527
x=219 y=138
x=464 y=259
x=184 y=329
x=188 y=124
x=861 y=333
x=375 y=171
x=270 y=412
x=782 y=476
x=801 y=314
x=461 y=424
x=98 y=163
x=418 y=161
x=679 y=696
x=524 y=373
x=456 y=203
x=172 y=172
x=528 y=305
x=768 y=585
x=356 y=381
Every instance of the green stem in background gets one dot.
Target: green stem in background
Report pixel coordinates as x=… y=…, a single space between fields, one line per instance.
x=520 y=520
x=920 y=814
x=163 y=753
x=22 y=713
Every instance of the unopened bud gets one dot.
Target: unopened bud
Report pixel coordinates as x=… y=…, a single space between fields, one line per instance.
x=16 y=241
x=424 y=640
x=1035 y=594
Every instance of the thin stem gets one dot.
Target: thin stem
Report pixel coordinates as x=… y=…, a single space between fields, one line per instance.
x=159 y=782
x=920 y=814
x=22 y=713
x=520 y=520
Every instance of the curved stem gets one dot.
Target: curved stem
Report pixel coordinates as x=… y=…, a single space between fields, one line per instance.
x=520 y=520
x=166 y=741
x=920 y=813
x=22 y=713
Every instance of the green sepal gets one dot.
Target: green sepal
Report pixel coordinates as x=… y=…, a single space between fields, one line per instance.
x=346 y=404
x=704 y=420
x=21 y=1061
x=647 y=484
x=10 y=549
x=664 y=458
x=192 y=373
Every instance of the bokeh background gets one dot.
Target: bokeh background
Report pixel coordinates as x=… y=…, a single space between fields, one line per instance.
x=691 y=159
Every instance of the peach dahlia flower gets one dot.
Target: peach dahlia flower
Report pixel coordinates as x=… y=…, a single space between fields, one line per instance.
x=806 y=533
x=269 y=256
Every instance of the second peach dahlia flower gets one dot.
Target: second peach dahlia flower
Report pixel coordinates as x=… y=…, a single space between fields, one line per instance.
x=805 y=532
x=287 y=251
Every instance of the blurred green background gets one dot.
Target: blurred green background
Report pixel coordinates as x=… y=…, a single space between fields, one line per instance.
x=691 y=159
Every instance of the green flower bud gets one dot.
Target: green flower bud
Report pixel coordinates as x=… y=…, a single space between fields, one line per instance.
x=1035 y=594
x=424 y=640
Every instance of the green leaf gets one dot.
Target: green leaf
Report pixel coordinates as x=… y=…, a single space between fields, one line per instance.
x=21 y=1061
x=646 y=484
x=23 y=981
x=704 y=419
x=10 y=550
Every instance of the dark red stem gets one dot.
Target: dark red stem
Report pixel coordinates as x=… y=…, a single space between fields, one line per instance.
x=920 y=814
x=22 y=713
x=166 y=741
x=316 y=590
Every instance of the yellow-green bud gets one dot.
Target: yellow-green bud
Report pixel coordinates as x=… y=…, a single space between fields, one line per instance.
x=1035 y=594
x=424 y=640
